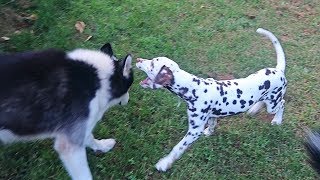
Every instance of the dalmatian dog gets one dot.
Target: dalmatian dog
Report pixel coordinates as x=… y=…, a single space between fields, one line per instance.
x=209 y=99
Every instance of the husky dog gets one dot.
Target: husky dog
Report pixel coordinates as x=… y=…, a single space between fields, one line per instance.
x=62 y=95
x=312 y=145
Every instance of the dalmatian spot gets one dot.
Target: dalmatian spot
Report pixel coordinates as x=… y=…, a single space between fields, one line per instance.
x=221 y=91
x=205 y=91
x=229 y=83
x=216 y=102
x=206 y=109
x=266 y=85
x=219 y=104
x=224 y=99
x=239 y=91
x=211 y=101
x=196 y=80
x=227 y=103
x=268 y=72
x=235 y=83
x=251 y=97
x=194 y=93
x=217 y=88
x=195 y=127
x=271 y=96
x=238 y=96
x=234 y=102
x=193 y=109
x=183 y=90
x=242 y=102
x=205 y=102
x=192 y=122
x=185 y=143
x=226 y=92
x=194 y=115
x=231 y=113
x=216 y=112
x=250 y=102
x=205 y=83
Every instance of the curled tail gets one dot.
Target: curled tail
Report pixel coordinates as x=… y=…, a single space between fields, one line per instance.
x=281 y=60
x=312 y=145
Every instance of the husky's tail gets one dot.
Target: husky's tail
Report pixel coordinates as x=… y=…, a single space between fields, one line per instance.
x=281 y=61
x=312 y=145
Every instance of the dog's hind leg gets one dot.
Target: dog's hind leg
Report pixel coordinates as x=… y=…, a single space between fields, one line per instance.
x=73 y=157
x=276 y=109
x=196 y=127
x=212 y=122
x=255 y=108
x=103 y=145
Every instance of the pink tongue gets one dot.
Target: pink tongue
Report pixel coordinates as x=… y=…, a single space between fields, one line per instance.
x=145 y=81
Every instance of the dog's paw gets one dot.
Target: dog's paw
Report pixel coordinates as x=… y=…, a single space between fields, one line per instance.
x=207 y=132
x=105 y=145
x=276 y=122
x=164 y=164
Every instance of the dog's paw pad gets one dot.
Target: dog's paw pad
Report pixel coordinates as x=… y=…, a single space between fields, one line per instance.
x=164 y=164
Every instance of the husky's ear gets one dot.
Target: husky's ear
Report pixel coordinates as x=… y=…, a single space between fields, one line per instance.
x=127 y=65
x=107 y=49
x=164 y=77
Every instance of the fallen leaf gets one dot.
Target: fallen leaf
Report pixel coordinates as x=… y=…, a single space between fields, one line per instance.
x=80 y=26
x=88 y=38
x=4 y=38
x=32 y=17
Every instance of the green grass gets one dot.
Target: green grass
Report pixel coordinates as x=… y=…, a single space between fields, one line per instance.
x=204 y=37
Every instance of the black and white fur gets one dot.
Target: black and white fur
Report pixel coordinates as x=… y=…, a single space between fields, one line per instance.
x=312 y=145
x=62 y=95
x=208 y=99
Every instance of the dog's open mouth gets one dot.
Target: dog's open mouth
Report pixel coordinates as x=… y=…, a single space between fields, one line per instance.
x=147 y=83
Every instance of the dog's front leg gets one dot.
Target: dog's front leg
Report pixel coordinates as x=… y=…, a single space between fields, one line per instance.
x=103 y=145
x=74 y=158
x=196 y=127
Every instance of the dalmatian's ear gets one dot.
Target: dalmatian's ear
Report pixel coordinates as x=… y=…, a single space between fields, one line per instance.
x=164 y=77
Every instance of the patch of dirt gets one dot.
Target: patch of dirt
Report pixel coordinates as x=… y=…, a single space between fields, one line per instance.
x=298 y=8
x=15 y=19
x=264 y=116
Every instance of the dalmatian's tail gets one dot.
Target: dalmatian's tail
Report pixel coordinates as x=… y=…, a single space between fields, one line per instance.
x=281 y=60
x=312 y=145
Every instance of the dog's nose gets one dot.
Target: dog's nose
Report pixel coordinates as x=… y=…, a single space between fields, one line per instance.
x=139 y=60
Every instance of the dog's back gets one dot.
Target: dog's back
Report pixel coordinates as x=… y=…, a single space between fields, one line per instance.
x=44 y=92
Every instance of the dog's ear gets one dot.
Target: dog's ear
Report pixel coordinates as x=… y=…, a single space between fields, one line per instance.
x=107 y=49
x=127 y=65
x=164 y=77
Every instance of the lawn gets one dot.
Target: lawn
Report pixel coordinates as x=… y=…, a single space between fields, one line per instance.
x=206 y=38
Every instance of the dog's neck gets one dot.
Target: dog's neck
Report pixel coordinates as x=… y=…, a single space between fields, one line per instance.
x=185 y=85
